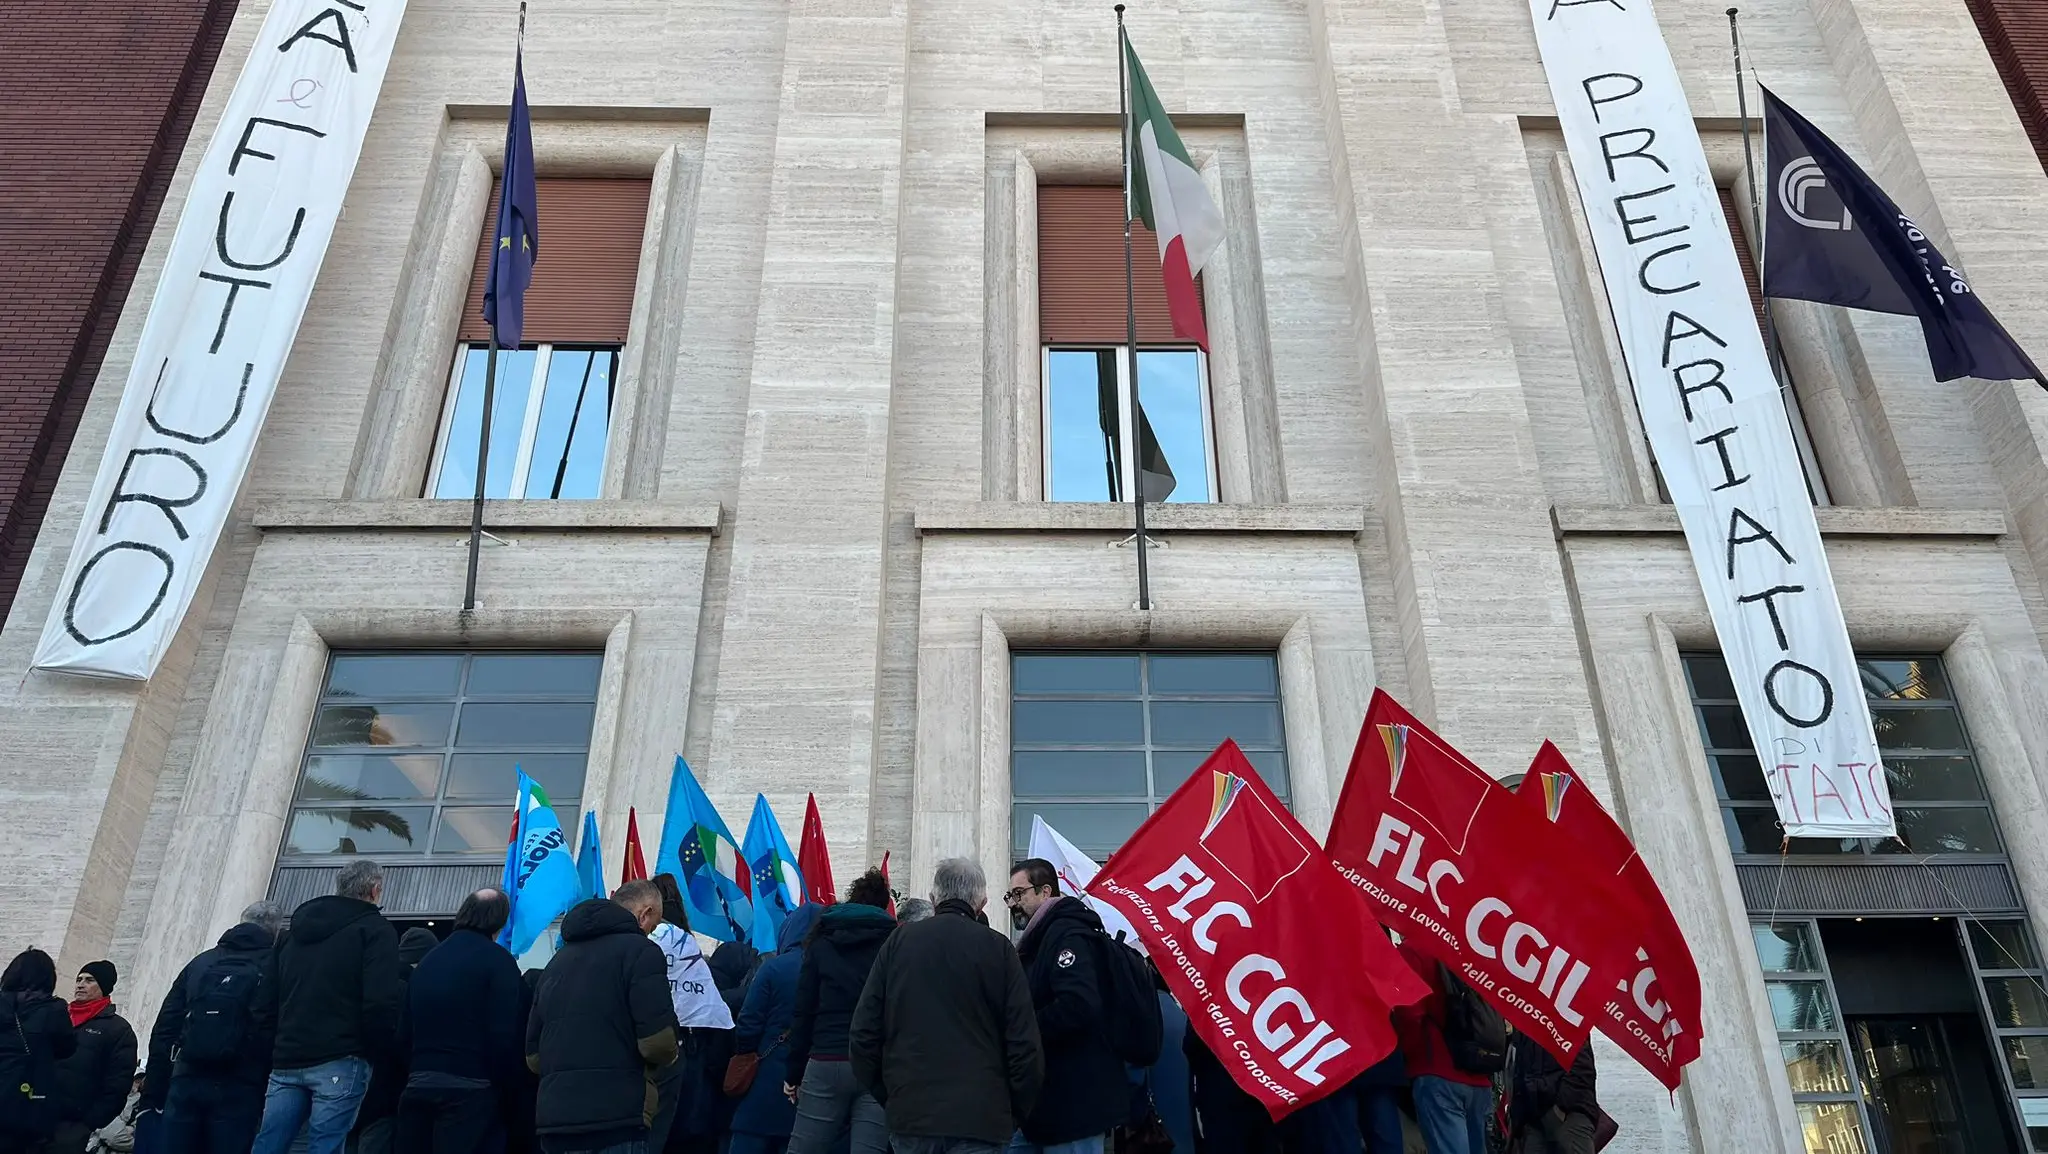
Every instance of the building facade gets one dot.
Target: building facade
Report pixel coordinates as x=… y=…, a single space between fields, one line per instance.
x=804 y=474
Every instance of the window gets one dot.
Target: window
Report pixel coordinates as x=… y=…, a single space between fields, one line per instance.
x=1083 y=324
x=1811 y=1037
x=1937 y=792
x=412 y=755
x=2014 y=987
x=551 y=403
x=1816 y=484
x=1099 y=739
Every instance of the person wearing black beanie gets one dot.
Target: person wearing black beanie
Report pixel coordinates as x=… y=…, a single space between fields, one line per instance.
x=93 y=1083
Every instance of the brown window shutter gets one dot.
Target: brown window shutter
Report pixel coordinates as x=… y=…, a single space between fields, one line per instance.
x=582 y=290
x=1738 y=227
x=1081 y=269
x=2016 y=32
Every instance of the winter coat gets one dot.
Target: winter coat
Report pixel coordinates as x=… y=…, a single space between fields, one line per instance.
x=1541 y=1083
x=944 y=1036
x=467 y=1012
x=602 y=1025
x=252 y=1069
x=836 y=963
x=1420 y=1027
x=763 y=1028
x=40 y=1021
x=339 y=992
x=1086 y=1091
x=93 y=1083
x=388 y=1070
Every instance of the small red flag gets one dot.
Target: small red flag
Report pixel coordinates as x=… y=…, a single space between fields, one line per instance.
x=1657 y=1020
x=885 y=881
x=813 y=860
x=635 y=867
x=1273 y=955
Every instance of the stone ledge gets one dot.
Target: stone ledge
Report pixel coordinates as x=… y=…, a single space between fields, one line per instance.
x=1098 y=517
x=312 y=515
x=1835 y=521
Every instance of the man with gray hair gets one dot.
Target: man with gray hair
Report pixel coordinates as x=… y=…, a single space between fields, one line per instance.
x=944 y=1036
x=339 y=999
x=209 y=1053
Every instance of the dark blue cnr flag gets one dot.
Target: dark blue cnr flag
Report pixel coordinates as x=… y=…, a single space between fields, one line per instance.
x=518 y=230
x=1832 y=235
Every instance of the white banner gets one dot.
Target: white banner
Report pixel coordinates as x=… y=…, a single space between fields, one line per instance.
x=1713 y=413
x=242 y=263
x=1076 y=870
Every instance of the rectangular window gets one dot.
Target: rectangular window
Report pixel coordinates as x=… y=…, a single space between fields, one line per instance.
x=1811 y=1037
x=1098 y=739
x=1802 y=439
x=1937 y=792
x=552 y=398
x=1084 y=326
x=412 y=755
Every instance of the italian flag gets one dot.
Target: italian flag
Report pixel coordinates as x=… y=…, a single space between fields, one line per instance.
x=1167 y=194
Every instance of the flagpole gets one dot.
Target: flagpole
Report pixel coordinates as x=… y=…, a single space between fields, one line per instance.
x=483 y=457
x=1756 y=204
x=1123 y=54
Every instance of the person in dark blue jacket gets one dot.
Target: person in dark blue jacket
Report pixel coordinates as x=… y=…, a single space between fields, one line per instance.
x=765 y=1116
x=212 y=1104
x=468 y=1029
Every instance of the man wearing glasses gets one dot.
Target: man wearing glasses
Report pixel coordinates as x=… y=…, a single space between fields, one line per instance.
x=1086 y=1092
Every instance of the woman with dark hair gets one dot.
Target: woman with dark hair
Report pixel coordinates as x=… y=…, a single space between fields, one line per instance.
x=35 y=1033
x=842 y=950
x=672 y=910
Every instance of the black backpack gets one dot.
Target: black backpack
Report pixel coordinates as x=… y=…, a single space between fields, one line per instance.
x=1474 y=1032
x=1130 y=1004
x=220 y=1011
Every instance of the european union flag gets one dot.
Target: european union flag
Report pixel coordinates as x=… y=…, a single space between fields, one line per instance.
x=778 y=884
x=518 y=229
x=1833 y=236
x=700 y=851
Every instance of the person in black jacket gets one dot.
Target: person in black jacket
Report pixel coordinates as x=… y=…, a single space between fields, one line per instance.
x=835 y=969
x=338 y=1006
x=31 y=1013
x=468 y=1011
x=92 y=1084
x=1555 y=1110
x=602 y=1027
x=1087 y=1093
x=943 y=1036
x=377 y=1117
x=213 y=1104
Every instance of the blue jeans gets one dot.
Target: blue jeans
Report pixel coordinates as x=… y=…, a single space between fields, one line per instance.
x=1452 y=1115
x=1078 y=1146
x=321 y=1098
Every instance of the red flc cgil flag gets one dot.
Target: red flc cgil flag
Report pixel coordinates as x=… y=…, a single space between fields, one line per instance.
x=813 y=859
x=634 y=869
x=1656 y=1016
x=1475 y=880
x=1260 y=940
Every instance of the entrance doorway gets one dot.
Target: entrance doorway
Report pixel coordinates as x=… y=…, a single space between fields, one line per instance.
x=1916 y=1030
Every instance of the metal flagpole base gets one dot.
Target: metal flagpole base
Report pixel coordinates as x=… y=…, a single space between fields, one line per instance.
x=1151 y=542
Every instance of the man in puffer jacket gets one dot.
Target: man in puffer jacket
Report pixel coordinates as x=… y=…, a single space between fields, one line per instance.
x=1087 y=1093
x=1555 y=1110
x=602 y=1028
x=92 y=1084
x=835 y=971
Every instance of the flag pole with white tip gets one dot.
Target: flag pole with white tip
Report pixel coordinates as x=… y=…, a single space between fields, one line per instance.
x=1123 y=107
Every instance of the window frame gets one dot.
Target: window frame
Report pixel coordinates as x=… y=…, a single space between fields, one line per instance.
x=1855 y=1096
x=1864 y=853
x=1126 y=433
x=529 y=428
x=423 y=852
x=1144 y=696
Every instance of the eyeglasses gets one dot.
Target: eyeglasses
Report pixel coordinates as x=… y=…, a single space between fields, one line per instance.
x=1014 y=896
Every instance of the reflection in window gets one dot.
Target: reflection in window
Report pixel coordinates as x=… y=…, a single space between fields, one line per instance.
x=415 y=755
x=1098 y=739
x=1937 y=794
x=1811 y=1039
x=550 y=417
x=1088 y=426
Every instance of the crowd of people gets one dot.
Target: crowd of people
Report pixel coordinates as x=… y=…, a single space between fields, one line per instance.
x=874 y=1026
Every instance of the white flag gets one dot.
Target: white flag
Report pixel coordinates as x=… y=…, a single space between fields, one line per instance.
x=1076 y=870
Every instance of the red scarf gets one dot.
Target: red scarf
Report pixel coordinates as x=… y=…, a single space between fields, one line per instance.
x=83 y=1012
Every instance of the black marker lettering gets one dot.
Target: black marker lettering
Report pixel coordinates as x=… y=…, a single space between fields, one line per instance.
x=163 y=504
